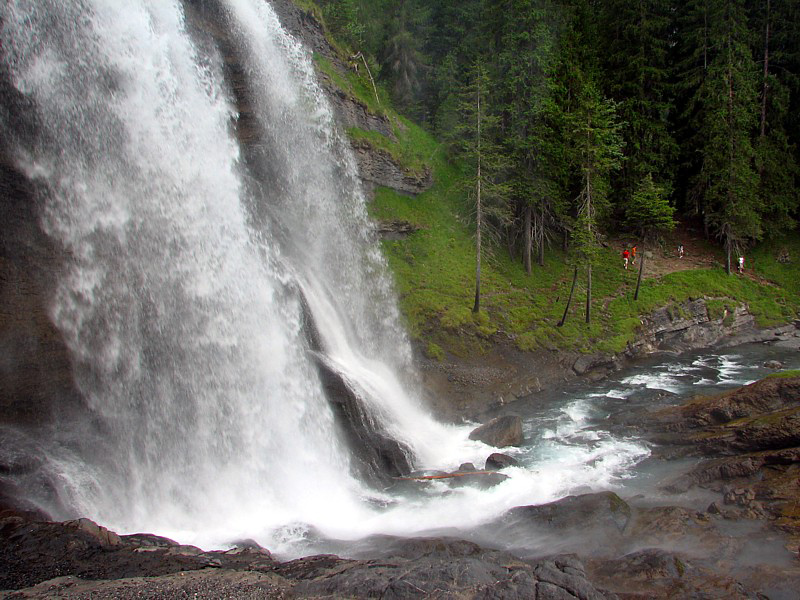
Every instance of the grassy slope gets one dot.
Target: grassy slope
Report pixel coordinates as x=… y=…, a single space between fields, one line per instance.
x=435 y=268
x=435 y=273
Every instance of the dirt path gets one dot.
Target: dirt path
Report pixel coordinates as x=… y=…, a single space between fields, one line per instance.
x=699 y=253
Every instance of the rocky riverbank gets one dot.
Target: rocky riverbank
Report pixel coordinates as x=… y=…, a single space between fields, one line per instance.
x=78 y=559
x=477 y=387
x=726 y=527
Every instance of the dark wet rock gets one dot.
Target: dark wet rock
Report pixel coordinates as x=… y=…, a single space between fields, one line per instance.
x=773 y=364
x=603 y=510
x=105 y=537
x=479 y=479
x=32 y=552
x=380 y=457
x=45 y=560
x=449 y=568
x=500 y=432
x=36 y=387
x=588 y=363
x=723 y=469
x=497 y=460
x=653 y=573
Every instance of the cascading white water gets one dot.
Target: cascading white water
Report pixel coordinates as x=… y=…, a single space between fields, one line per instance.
x=180 y=301
x=179 y=304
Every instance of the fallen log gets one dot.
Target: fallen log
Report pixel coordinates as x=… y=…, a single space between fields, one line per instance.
x=446 y=475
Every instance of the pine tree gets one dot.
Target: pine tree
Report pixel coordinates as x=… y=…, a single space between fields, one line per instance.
x=473 y=141
x=599 y=145
x=527 y=62
x=724 y=109
x=649 y=211
x=777 y=168
x=343 y=19
x=636 y=75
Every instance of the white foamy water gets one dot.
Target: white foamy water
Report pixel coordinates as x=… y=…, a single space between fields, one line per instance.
x=655 y=381
x=181 y=297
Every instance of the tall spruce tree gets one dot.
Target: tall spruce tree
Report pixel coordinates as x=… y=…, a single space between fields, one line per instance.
x=473 y=141
x=527 y=61
x=599 y=144
x=777 y=168
x=723 y=119
x=635 y=61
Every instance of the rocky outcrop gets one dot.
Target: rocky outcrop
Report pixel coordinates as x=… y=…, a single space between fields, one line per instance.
x=750 y=443
x=682 y=327
x=645 y=551
x=35 y=372
x=378 y=168
x=378 y=456
x=691 y=325
x=46 y=560
x=600 y=517
x=500 y=432
x=396 y=229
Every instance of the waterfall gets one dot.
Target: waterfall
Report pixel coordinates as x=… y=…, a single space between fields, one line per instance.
x=189 y=258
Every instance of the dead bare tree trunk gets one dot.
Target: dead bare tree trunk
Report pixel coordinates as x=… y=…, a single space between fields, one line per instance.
x=541 y=236
x=639 y=278
x=569 y=300
x=526 y=256
x=589 y=293
x=369 y=73
x=477 y=306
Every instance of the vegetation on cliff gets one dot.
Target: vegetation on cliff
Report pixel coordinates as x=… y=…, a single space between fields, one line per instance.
x=582 y=109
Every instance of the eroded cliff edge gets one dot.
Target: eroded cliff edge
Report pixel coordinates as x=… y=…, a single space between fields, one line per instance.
x=376 y=166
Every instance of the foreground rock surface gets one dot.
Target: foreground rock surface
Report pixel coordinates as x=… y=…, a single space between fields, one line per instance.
x=80 y=560
x=749 y=442
x=638 y=550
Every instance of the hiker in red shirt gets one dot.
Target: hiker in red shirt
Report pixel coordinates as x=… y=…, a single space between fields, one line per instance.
x=625 y=255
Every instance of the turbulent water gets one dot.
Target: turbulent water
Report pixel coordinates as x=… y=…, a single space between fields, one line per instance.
x=190 y=258
x=181 y=300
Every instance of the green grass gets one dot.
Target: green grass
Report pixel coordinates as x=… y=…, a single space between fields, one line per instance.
x=356 y=86
x=435 y=273
x=764 y=260
x=784 y=374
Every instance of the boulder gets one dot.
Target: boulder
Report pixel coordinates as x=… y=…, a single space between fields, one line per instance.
x=497 y=460
x=500 y=432
x=587 y=363
x=98 y=532
x=773 y=364
x=603 y=510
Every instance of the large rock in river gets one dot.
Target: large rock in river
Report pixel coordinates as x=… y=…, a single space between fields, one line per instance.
x=500 y=432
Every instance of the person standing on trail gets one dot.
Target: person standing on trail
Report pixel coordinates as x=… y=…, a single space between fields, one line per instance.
x=633 y=255
x=740 y=266
x=680 y=250
x=625 y=256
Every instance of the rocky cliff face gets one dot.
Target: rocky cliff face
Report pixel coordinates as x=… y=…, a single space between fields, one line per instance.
x=376 y=167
